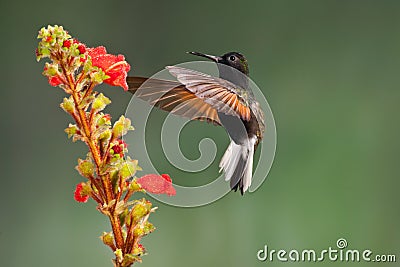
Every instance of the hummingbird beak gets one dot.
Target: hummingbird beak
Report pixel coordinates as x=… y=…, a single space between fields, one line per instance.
x=213 y=58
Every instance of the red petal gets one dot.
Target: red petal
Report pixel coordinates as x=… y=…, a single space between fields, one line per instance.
x=54 y=81
x=78 y=194
x=157 y=184
x=82 y=48
x=97 y=51
x=67 y=43
x=117 y=149
x=114 y=66
x=166 y=177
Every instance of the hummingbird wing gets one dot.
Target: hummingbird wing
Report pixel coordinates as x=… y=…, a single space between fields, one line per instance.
x=219 y=93
x=173 y=97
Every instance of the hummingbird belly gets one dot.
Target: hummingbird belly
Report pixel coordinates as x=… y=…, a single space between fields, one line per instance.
x=235 y=128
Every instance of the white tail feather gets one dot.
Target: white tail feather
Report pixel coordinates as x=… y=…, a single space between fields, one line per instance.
x=230 y=162
x=248 y=170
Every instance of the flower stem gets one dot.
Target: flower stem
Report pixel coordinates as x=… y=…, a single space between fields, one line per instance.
x=94 y=150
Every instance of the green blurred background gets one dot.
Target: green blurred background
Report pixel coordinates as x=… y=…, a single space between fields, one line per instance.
x=330 y=71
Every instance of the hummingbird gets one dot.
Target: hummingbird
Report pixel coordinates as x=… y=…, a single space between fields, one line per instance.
x=226 y=100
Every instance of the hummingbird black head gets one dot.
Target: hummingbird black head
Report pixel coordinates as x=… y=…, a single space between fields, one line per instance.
x=232 y=59
x=235 y=60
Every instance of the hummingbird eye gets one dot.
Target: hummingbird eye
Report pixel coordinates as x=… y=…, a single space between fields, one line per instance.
x=232 y=58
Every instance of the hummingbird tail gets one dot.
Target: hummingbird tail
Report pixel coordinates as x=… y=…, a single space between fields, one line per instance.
x=237 y=164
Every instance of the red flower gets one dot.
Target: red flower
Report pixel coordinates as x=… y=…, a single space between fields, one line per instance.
x=67 y=43
x=120 y=142
x=114 y=66
x=55 y=81
x=166 y=177
x=78 y=194
x=117 y=149
x=157 y=184
x=82 y=48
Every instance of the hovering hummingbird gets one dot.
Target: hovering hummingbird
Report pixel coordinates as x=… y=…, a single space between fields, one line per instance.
x=226 y=100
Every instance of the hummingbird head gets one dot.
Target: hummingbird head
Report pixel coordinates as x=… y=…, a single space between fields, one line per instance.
x=232 y=59
x=237 y=61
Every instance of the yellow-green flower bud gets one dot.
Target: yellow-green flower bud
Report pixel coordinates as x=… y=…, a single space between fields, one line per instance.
x=134 y=186
x=68 y=105
x=100 y=102
x=107 y=239
x=85 y=168
x=139 y=211
x=71 y=130
x=122 y=126
x=118 y=253
x=129 y=259
x=128 y=168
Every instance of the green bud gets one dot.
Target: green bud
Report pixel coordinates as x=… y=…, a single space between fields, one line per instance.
x=42 y=52
x=97 y=75
x=118 y=253
x=42 y=33
x=128 y=168
x=138 y=231
x=75 y=51
x=50 y=70
x=107 y=239
x=52 y=35
x=138 y=250
x=102 y=119
x=148 y=228
x=68 y=105
x=134 y=186
x=85 y=168
x=100 y=102
x=71 y=130
x=86 y=188
x=105 y=135
x=122 y=126
x=88 y=63
x=140 y=209
x=129 y=259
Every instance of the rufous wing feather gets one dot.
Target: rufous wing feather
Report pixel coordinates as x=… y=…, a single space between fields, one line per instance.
x=173 y=97
x=219 y=93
